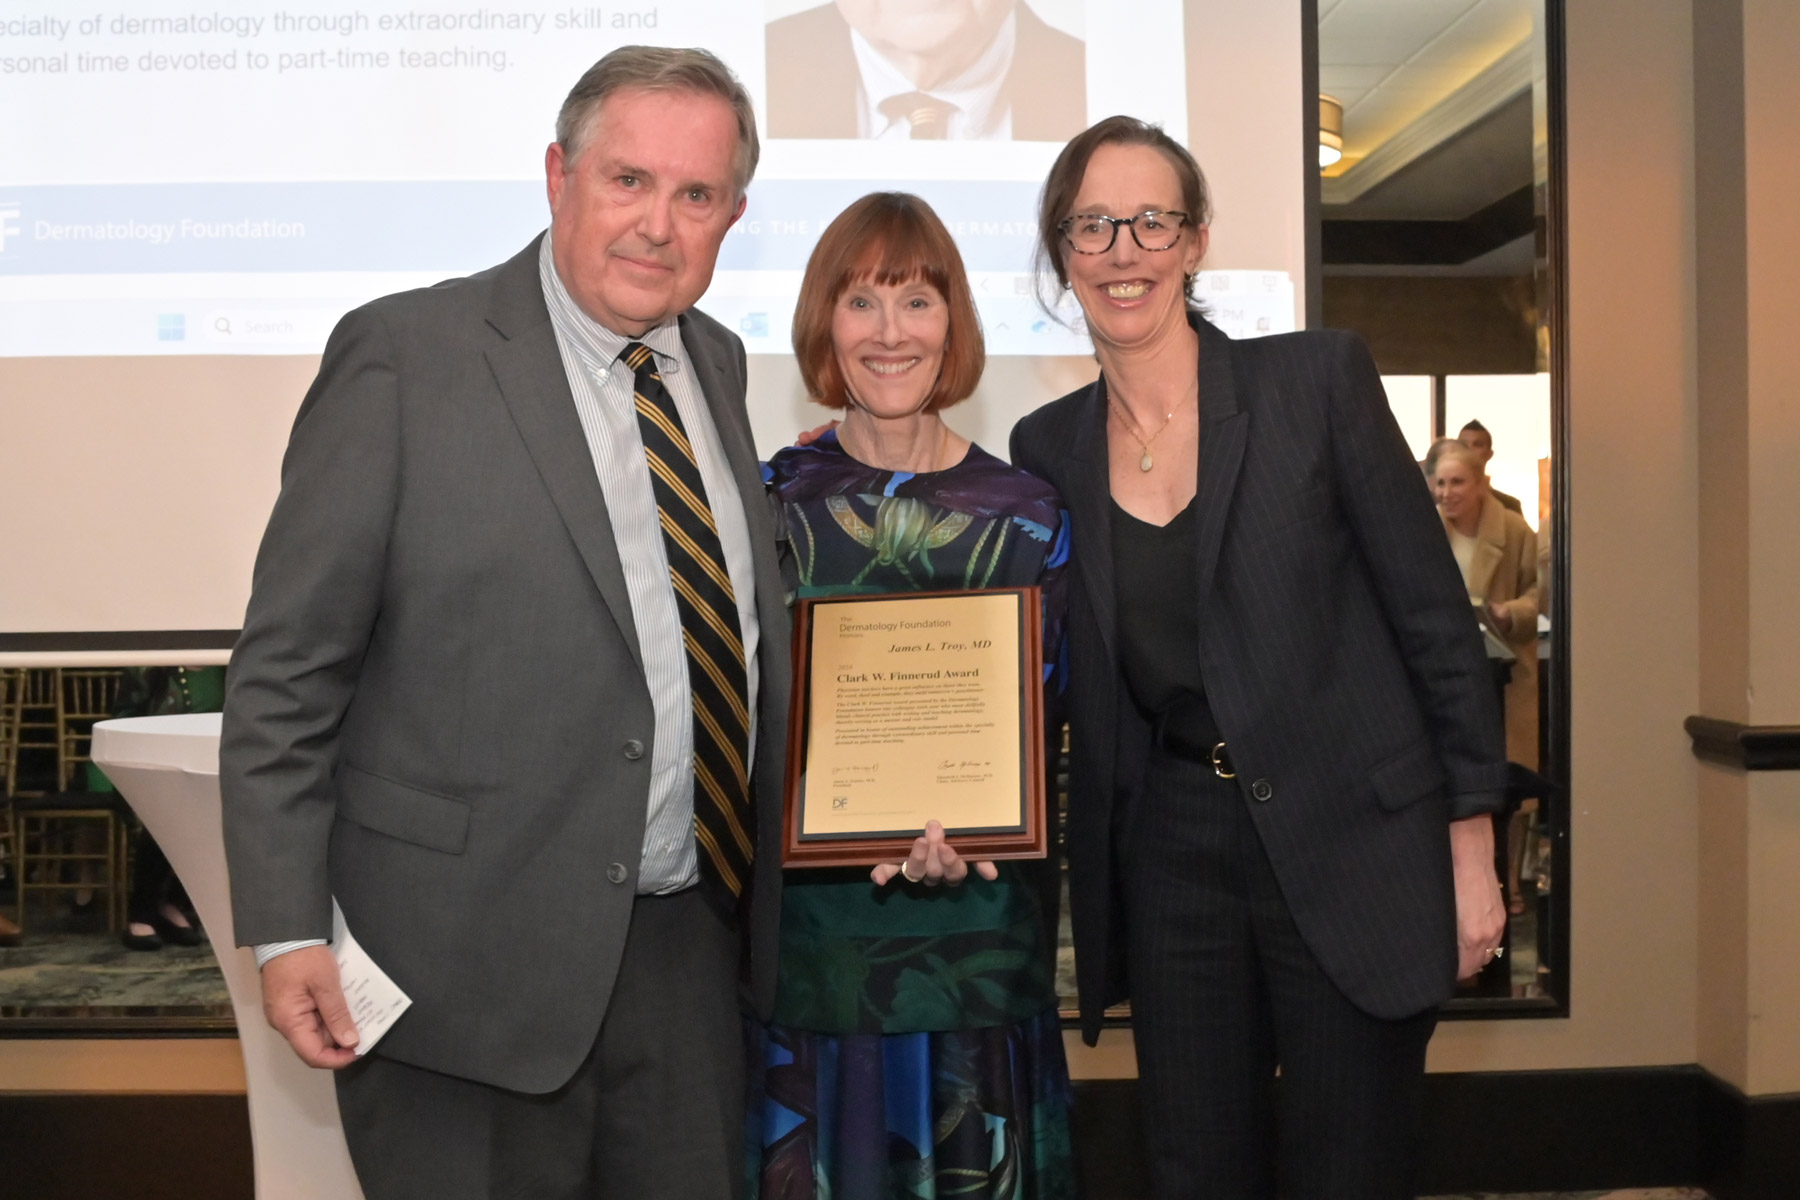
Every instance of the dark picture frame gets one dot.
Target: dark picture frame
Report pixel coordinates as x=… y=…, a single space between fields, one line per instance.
x=1026 y=838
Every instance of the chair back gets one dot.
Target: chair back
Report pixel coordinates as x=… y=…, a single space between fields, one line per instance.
x=11 y=682
x=83 y=697
x=31 y=721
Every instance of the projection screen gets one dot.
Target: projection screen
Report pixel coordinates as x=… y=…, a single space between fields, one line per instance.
x=192 y=194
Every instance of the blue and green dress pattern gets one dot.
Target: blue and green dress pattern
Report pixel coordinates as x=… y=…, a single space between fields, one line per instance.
x=916 y=1050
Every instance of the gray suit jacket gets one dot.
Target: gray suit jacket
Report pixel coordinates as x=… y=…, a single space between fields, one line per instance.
x=437 y=710
x=1338 y=652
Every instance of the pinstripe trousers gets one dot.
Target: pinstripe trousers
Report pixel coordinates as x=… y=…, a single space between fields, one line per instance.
x=1225 y=993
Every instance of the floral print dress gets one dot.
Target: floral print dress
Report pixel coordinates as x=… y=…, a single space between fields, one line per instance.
x=916 y=1050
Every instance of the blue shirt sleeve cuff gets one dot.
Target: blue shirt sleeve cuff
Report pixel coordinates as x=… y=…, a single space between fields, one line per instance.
x=268 y=950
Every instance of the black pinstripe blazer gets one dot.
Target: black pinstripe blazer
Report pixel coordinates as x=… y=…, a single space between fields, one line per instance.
x=1339 y=655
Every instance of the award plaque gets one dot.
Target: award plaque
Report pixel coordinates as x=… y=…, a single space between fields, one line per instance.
x=910 y=708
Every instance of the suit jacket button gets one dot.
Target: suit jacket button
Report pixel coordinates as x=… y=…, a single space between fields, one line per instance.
x=1263 y=791
x=634 y=750
x=617 y=873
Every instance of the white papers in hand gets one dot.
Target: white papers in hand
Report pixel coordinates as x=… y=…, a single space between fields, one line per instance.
x=376 y=1002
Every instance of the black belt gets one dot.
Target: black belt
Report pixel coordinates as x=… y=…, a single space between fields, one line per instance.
x=1193 y=745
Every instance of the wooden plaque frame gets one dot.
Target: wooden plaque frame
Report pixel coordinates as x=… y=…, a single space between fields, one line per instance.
x=1028 y=838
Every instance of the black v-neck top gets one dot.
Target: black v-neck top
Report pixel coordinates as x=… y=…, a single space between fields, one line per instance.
x=1158 y=595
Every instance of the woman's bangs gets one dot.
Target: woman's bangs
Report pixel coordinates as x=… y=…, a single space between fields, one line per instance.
x=899 y=254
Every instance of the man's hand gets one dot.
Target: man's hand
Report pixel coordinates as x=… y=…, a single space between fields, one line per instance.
x=305 y=1005
x=933 y=861
x=807 y=437
x=1480 y=916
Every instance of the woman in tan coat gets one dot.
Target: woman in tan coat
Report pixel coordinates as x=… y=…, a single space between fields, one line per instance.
x=1498 y=554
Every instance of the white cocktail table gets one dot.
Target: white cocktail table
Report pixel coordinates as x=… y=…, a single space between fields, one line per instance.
x=168 y=769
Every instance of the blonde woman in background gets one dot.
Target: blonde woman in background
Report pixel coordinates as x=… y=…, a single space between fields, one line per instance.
x=1498 y=555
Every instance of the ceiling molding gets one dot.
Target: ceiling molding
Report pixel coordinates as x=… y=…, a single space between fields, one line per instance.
x=1429 y=243
x=1509 y=75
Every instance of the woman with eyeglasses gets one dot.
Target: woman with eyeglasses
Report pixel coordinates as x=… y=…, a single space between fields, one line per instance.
x=1285 y=742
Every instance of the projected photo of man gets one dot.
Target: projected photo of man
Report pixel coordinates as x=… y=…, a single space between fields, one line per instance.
x=985 y=70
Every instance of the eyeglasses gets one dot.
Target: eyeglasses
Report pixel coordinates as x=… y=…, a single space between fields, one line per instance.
x=1092 y=233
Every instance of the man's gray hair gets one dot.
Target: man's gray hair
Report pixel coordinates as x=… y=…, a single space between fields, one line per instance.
x=657 y=69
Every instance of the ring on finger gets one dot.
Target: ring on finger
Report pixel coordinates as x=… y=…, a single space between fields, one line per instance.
x=908 y=875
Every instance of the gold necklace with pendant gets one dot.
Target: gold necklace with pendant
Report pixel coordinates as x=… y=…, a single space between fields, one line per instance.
x=1146 y=462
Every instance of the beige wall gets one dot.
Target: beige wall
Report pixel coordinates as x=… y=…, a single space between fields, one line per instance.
x=1749 y=910
x=1722 y=1034
x=184 y=516
x=1634 y=556
x=1772 y=249
x=122 y=1065
x=1684 y=444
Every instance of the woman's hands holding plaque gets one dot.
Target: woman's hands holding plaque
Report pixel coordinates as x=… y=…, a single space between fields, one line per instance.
x=932 y=861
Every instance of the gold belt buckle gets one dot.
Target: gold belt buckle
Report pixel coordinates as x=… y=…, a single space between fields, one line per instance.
x=1218 y=763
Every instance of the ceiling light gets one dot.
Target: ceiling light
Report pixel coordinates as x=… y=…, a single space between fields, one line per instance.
x=1331 y=130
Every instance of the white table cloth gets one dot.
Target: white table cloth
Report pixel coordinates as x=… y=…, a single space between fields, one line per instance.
x=168 y=769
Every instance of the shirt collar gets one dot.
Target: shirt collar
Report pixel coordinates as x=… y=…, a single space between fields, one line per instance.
x=597 y=346
x=977 y=92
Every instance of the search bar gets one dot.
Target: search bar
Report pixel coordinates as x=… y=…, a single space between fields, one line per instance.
x=270 y=326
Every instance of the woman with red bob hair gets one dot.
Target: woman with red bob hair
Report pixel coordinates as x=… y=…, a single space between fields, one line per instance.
x=916 y=1048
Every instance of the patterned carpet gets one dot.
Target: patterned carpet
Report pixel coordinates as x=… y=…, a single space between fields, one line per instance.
x=63 y=970
x=1626 y=1194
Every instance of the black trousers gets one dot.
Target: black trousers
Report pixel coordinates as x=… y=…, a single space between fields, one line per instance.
x=152 y=881
x=655 y=1113
x=1225 y=993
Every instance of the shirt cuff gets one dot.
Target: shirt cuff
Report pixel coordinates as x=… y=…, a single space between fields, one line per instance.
x=1474 y=804
x=268 y=950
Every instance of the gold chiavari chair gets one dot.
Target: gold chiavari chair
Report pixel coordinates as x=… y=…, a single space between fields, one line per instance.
x=9 y=855
x=33 y=726
x=71 y=841
x=83 y=697
x=12 y=683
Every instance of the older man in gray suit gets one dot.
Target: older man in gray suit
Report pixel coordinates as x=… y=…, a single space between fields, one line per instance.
x=511 y=685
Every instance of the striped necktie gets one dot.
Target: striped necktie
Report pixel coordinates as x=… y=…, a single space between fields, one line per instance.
x=709 y=627
x=927 y=117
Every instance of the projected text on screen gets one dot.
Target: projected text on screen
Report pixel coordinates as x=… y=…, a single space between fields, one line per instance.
x=263 y=170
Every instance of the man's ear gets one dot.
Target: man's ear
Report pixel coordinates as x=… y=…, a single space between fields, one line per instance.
x=555 y=171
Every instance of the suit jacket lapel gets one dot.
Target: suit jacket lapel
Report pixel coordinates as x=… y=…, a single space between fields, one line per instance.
x=1090 y=503
x=724 y=399
x=1223 y=426
x=528 y=368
